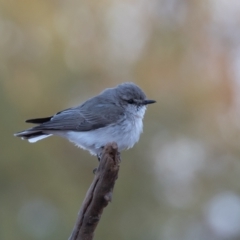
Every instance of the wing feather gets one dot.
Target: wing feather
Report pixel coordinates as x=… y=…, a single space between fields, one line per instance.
x=84 y=118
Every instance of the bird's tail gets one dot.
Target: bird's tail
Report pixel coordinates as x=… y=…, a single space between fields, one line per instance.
x=32 y=134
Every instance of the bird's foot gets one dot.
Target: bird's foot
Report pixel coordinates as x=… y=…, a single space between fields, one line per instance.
x=95 y=170
x=119 y=156
x=99 y=154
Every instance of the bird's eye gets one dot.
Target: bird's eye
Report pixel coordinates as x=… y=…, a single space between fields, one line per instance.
x=130 y=101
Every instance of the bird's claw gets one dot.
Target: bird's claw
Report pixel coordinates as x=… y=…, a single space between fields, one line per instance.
x=95 y=170
x=99 y=154
x=119 y=156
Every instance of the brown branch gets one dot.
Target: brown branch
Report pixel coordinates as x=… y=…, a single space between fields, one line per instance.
x=98 y=195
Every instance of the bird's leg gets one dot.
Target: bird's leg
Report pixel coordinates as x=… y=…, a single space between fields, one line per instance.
x=119 y=156
x=99 y=155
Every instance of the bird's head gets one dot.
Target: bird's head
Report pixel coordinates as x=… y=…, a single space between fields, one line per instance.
x=130 y=94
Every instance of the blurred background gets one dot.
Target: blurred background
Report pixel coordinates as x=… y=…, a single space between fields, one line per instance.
x=182 y=180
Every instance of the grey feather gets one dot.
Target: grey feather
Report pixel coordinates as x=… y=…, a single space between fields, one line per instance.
x=115 y=115
x=81 y=119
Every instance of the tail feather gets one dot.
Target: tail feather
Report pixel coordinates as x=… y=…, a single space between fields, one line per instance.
x=40 y=137
x=38 y=120
x=32 y=135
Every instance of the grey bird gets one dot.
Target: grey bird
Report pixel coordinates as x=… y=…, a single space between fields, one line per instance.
x=115 y=115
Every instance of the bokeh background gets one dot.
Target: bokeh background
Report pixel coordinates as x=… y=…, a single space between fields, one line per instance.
x=182 y=180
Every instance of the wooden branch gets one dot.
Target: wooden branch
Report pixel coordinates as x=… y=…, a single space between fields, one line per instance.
x=98 y=195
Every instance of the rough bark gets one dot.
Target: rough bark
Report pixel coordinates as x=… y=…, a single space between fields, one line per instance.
x=98 y=195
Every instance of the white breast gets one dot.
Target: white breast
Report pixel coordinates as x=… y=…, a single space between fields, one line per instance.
x=125 y=133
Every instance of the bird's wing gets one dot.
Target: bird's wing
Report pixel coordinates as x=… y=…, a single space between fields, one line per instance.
x=83 y=118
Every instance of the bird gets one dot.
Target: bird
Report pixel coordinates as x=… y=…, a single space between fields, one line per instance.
x=115 y=115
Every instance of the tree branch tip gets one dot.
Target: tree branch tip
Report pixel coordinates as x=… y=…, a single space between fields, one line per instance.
x=114 y=145
x=111 y=148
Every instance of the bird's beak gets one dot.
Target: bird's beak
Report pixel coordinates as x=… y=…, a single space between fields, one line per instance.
x=147 y=101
